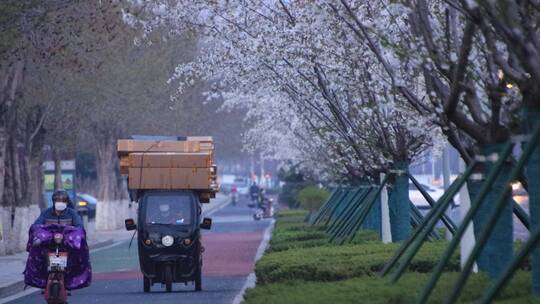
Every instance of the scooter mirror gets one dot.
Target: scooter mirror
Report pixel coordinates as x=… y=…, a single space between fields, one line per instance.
x=130 y=224
x=206 y=223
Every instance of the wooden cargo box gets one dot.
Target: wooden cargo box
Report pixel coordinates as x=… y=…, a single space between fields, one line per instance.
x=170 y=160
x=126 y=146
x=170 y=178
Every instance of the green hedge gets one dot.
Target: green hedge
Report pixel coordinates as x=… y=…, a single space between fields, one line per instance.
x=288 y=193
x=375 y=290
x=302 y=267
x=292 y=232
x=312 y=197
x=331 y=263
x=301 y=251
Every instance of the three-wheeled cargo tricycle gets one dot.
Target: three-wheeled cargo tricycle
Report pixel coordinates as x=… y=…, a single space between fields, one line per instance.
x=169 y=236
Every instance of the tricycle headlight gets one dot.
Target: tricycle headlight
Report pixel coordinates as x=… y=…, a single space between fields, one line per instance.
x=167 y=240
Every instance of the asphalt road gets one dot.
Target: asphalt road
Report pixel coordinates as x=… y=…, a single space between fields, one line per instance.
x=229 y=257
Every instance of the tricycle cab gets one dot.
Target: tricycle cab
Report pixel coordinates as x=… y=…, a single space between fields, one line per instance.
x=169 y=238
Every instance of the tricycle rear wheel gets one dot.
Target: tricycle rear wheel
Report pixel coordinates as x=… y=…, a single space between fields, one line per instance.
x=146 y=284
x=198 y=279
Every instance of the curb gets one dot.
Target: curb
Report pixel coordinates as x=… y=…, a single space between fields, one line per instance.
x=252 y=278
x=18 y=286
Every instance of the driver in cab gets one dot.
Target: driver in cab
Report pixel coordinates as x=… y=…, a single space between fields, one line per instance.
x=167 y=216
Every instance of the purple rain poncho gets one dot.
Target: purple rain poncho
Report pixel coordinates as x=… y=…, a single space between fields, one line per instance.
x=78 y=272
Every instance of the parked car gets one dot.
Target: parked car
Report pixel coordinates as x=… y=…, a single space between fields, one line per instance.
x=86 y=201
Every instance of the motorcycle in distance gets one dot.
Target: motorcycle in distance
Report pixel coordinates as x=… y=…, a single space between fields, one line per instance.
x=263 y=207
x=55 y=292
x=234 y=195
x=169 y=238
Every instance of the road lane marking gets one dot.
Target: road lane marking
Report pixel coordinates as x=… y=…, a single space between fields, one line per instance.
x=214 y=210
x=26 y=292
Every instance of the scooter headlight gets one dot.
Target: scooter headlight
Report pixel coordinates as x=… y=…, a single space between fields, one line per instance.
x=167 y=240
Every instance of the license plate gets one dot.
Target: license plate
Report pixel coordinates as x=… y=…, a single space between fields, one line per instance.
x=58 y=261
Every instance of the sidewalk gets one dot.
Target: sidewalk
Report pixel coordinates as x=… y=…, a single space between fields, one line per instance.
x=12 y=266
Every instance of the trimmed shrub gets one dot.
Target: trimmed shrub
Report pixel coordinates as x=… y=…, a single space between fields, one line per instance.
x=288 y=193
x=302 y=267
x=375 y=290
x=312 y=197
x=292 y=232
x=332 y=263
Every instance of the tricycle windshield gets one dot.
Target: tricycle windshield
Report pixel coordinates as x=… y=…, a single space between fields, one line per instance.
x=169 y=209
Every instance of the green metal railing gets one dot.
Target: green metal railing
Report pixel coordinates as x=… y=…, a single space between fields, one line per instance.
x=341 y=210
x=415 y=241
x=351 y=216
x=445 y=219
x=475 y=205
x=495 y=213
x=325 y=208
x=346 y=210
x=353 y=203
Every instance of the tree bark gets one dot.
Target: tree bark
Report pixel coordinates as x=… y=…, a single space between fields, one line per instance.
x=110 y=183
x=3 y=150
x=400 y=219
x=497 y=251
x=57 y=169
x=10 y=187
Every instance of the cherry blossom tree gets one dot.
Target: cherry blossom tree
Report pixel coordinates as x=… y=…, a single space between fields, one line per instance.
x=316 y=95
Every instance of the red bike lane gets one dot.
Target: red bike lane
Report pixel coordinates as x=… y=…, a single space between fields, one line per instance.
x=226 y=254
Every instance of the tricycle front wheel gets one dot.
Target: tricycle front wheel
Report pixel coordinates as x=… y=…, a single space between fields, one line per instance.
x=168 y=278
x=198 y=279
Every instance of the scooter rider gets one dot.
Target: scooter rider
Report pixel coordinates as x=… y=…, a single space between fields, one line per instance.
x=60 y=212
x=254 y=193
x=234 y=194
x=58 y=257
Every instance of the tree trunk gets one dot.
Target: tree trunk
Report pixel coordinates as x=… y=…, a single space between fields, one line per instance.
x=3 y=149
x=57 y=169
x=4 y=228
x=16 y=172
x=109 y=208
x=4 y=210
x=498 y=250
x=8 y=199
x=10 y=187
x=400 y=219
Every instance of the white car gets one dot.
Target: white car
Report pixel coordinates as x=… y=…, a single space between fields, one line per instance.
x=242 y=186
x=418 y=199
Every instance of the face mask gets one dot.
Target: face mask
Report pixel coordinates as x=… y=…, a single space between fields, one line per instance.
x=60 y=206
x=164 y=208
